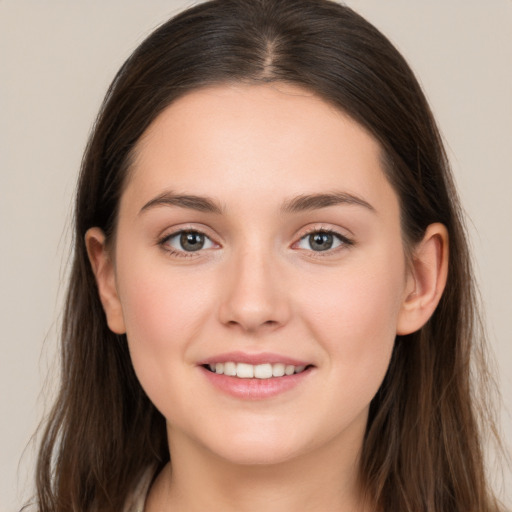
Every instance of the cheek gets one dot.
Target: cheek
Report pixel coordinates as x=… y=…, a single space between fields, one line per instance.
x=152 y=313
x=163 y=310
x=355 y=319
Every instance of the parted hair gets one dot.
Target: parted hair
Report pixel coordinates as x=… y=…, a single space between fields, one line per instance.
x=422 y=450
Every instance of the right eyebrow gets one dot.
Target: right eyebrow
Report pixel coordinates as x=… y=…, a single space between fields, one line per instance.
x=192 y=202
x=316 y=201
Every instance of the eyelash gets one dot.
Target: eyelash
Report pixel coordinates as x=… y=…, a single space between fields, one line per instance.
x=345 y=242
x=163 y=242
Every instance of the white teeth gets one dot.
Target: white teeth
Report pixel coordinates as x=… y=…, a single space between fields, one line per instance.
x=245 y=371
x=277 y=370
x=259 y=371
x=263 y=371
x=230 y=369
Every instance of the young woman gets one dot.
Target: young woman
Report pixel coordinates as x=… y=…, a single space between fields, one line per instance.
x=271 y=305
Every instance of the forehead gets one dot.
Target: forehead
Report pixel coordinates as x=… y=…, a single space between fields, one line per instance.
x=232 y=140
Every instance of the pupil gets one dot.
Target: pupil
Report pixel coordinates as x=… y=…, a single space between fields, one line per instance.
x=192 y=241
x=321 y=241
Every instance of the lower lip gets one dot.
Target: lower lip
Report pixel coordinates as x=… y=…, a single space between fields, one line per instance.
x=255 y=389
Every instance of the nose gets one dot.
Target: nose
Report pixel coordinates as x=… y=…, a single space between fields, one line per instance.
x=254 y=297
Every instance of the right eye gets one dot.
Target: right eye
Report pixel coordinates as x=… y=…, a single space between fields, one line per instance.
x=323 y=241
x=187 y=241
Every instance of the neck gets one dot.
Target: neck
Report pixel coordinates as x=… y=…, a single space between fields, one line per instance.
x=198 y=480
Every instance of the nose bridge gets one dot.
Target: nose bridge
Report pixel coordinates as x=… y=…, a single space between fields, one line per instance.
x=254 y=296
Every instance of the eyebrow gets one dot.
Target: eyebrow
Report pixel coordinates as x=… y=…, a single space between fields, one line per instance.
x=297 y=204
x=317 y=201
x=192 y=202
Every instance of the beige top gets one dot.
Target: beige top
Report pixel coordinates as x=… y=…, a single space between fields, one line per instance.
x=137 y=499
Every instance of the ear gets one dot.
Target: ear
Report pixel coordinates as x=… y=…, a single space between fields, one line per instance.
x=104 y=271
x=426 y=280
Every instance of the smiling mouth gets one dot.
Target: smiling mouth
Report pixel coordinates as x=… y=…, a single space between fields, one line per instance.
x=258 y=371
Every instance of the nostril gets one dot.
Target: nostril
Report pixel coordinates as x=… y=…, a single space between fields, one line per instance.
x=252 y=326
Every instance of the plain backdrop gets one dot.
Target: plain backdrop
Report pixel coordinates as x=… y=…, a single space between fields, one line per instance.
x=57 y=58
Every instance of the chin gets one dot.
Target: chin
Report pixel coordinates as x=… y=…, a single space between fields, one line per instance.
x=257 y=456
x=258 y=449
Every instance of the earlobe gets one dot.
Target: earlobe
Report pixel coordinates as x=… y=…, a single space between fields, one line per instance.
x=104 y=272
x=426 y=280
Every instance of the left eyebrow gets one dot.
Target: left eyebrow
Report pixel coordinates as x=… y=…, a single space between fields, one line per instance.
x=189 y=201
x=316 y=201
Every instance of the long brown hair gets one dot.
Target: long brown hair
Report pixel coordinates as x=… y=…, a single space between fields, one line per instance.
x=423 y=448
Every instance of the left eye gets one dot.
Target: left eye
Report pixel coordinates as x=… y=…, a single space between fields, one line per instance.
x=189 y=241
x=321 y=241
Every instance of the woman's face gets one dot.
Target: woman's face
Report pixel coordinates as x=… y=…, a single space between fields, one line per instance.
x=258 y=234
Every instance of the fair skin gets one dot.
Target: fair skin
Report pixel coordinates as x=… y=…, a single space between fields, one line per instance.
x=300 y=261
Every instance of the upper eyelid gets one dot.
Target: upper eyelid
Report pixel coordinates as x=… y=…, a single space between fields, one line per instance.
x=163 y=240
x=326 y=229
x=174 y=231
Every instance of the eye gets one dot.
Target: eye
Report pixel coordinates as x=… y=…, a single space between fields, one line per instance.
x=187 y=241
x=322 y=240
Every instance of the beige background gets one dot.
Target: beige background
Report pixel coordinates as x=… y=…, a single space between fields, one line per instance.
x=57 y=58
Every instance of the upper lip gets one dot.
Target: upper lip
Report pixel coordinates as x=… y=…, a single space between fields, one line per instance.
x=254 y=359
